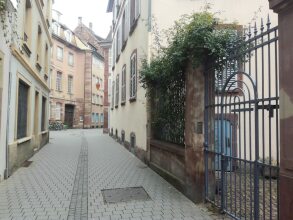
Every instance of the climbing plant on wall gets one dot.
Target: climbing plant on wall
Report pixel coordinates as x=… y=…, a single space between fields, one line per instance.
x=199 y=39
x=8 y=21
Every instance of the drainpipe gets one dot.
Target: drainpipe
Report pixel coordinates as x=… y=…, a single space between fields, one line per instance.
x=150 y=16
x=7 y=125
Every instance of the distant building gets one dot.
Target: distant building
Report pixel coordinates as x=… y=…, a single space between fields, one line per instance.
x=67 y=77
x=99 y=60
x=28 y=81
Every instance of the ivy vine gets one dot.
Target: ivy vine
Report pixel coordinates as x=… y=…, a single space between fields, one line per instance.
x=200 y=38
x=2 y=5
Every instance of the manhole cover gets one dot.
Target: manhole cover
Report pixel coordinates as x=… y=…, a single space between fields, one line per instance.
x=125 y=194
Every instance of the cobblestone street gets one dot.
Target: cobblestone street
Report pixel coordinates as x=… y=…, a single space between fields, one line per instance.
x=66 y=179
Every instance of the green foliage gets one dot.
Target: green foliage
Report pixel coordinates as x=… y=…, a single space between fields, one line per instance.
x=199 y=38
x=2 y=5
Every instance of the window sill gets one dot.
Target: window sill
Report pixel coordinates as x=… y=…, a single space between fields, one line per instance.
x=23 y=140
x=133 y=26
x=124 y=45
x=26 y=49
x=117 y=58
x=45 y=132
x=133 y=99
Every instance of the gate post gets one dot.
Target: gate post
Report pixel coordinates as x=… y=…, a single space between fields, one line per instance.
x=284 y=8
x=194 y=135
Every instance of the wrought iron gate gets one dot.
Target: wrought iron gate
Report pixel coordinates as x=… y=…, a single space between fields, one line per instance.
x=242 y=130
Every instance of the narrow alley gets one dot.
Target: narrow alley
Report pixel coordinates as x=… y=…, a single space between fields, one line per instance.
x=67 y=177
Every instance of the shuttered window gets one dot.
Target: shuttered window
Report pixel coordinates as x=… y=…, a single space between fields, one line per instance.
x=23 y=92
x=134 y=11
x=230 y=69
x=123 y=85
x=58 y=111
x=59 y=81
x=44 y=105
x=133 y=76
x=113 y=94
x=117 y=91
x=70 y=84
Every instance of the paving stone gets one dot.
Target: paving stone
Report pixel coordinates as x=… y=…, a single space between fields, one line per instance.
x=68 y=175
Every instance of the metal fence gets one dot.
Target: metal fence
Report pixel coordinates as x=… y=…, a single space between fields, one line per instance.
x=242 y=130
x=168 y=112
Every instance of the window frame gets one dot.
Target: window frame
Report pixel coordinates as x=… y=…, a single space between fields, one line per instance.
x=133 y=77
x=60 y=111
x=44 y=114
x=123 y=85
x=70 y=55
x=117 y=91
x=59 y=85
x=22 y=110
x=61 y=49
x=70 y=86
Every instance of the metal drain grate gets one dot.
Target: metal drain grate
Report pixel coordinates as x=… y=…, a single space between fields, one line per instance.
x=125 y=194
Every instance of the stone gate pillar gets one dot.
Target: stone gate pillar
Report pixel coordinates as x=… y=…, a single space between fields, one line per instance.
x=284 y=8
x=194 y=136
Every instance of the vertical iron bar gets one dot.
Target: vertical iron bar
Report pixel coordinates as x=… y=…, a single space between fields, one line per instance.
x=206 y=136
x=263 y=115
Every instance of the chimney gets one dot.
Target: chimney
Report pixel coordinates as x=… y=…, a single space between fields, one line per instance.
x=79 y=20
x=91 y=25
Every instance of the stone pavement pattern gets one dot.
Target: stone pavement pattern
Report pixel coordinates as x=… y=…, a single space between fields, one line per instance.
x=55 y=185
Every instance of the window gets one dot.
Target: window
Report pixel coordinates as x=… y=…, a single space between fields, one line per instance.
x=70 y=84
x=60 y=53
x=44 y=105
x=59 y=81
x=97 y=117
x=125 y=23
x=93 y=117
x=123 y=85
x=133 y=76
x=134 y=12
x=97 y=62
x=117 y=91
x=113 y=91
x=70 y=59
x=221 y=77
x=81 y=118
x=68 y=35
x=102 y=118
x=58 y=111
x=56 y=28
x=28 y=23
x=23 y=93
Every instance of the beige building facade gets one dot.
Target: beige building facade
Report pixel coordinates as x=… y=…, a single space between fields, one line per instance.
x=134 y=38
x=67 y=77
x=77 y=80
x=28 y=103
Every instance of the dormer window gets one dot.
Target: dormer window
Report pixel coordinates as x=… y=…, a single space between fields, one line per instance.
x=56 y=28
x=68 y=35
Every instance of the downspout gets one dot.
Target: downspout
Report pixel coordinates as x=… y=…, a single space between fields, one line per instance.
x=7 y=126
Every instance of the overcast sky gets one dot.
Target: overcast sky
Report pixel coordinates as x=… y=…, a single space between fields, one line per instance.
x=90 y=10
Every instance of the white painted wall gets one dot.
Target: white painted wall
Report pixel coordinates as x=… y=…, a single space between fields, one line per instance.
x=132 y=117
x=5 y=78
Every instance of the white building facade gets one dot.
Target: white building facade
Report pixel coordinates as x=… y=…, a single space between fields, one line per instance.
x=133 y=40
